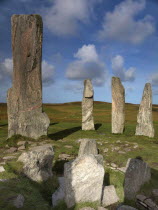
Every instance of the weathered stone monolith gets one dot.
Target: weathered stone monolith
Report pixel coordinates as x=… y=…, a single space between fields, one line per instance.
x=83 y=180
x=137 y=174
x=24 y=99
x=87 y=106
x=144 y=118
x=87 y=147
x=118 y=106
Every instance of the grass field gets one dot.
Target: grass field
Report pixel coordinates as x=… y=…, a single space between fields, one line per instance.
x=64 y=131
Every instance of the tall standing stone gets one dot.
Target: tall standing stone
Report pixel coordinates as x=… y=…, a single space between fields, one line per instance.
x=118 y=106
x=144 y=118
x=87 y=106
x=24 y=99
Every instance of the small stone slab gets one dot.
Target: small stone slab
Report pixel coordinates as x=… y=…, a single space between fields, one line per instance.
x=19 y=201
x=8 y=158
x=2 y=169
x=106 y=150
x=155 y=193
x=125 y=207
x=37 y=162
x=11 y=150
x=59 y=194
x=21 y=147
x=21 y=143
x=68 y=146
x=109 y=196
x=101 y=208
x=65 y=157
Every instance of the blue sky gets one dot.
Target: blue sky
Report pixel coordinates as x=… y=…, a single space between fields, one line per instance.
x=94 y=39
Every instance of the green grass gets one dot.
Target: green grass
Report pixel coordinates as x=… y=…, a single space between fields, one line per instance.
x=65 y=129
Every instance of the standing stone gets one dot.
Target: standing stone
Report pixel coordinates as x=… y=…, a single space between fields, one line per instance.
x=24 y=99
x=144 y=118
x=83 y=180
x=87 y=147
x=87 y=106
x=137 y=174
x=118 y=106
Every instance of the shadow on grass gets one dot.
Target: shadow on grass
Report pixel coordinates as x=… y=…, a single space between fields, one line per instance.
x=53 y=123
x=106 y=179
x=64 y=133
x=97 y=126
x=58 y=167
x=2 y=125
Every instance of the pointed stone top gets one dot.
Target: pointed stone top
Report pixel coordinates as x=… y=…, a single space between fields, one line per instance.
x=116 y=79
x=147 y=92
x=147 y=86
x=88 y=89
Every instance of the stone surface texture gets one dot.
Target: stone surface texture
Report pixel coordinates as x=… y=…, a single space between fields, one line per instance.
x=18 y=202
x=88 y=146
x=87 y=106
x=137 y=174
x=83 y=180
x=24 y=99
x=109 y=196
x=144 y=202
x=101 y=208
x=37 y=163
x=118 y=106
x=2 y=169
x=144 y=118
x=59 y=194
x=125 y=207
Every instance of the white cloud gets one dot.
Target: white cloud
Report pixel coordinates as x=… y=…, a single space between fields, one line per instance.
x=154 y=79
x=155 y=92
x=87 y=65
x=63 y=17
x=122 y=24
x=120 y=71
x=74 y=87
x=48 y=71
x=6 y=71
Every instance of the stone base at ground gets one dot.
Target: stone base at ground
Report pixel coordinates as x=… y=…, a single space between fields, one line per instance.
x=37 y=163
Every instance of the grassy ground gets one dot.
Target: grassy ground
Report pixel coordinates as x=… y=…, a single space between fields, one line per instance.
x=64 y=131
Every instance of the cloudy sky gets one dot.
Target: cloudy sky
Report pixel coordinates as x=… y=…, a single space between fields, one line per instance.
x=94 y=39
